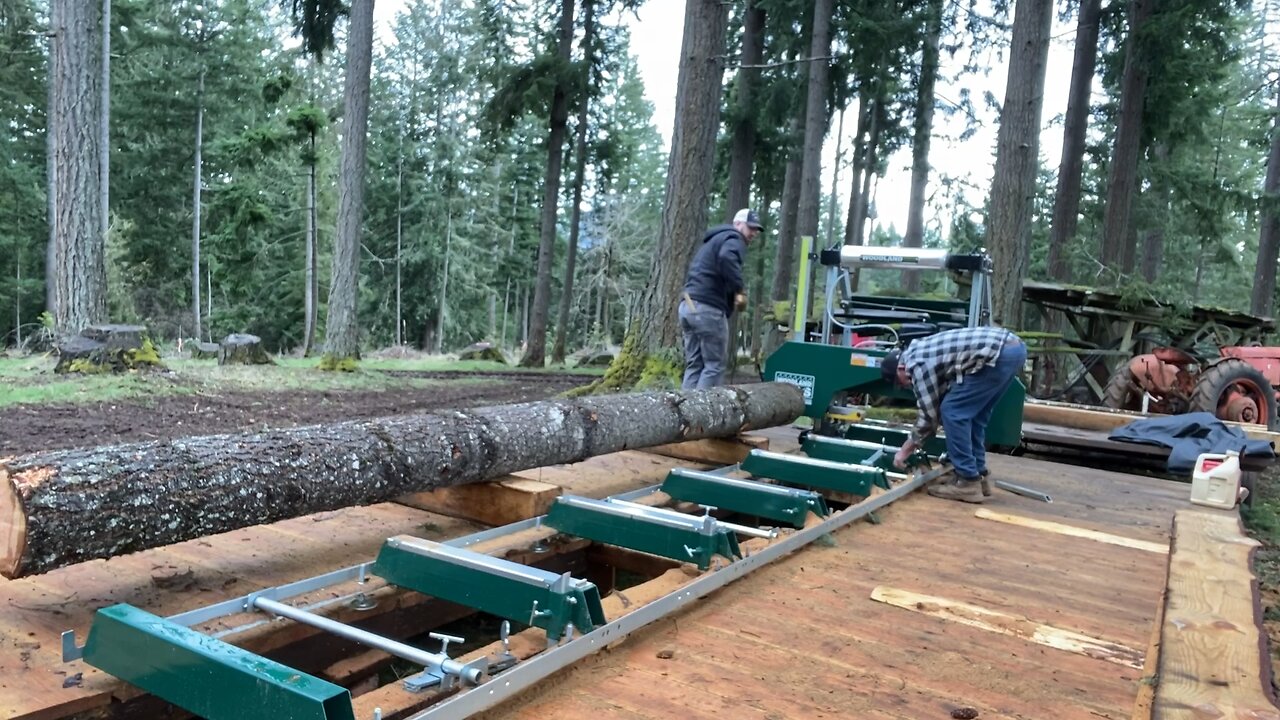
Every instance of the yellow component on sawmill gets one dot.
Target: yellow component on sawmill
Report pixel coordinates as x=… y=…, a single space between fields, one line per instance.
x=851 y=416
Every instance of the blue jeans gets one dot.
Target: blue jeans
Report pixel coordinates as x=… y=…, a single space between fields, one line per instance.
x=706 y=345
x=968 y=406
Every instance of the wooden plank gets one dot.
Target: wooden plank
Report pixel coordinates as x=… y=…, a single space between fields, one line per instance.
x=501 y=502
x=1105 y=419
x=1213 y=659
x=1071 y=530
x=713 y=451
x=1145 y=703
x=1004 y=624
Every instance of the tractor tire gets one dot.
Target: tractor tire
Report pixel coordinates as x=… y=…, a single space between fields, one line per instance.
x=1122 y=392
x=1218 y=379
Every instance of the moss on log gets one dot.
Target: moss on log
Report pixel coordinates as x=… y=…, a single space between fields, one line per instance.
x=483 y=351
x=63 y=507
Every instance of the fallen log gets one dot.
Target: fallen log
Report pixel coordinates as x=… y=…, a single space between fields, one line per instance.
x=63 y=507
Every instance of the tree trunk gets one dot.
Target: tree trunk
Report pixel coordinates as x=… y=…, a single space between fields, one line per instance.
x=922 y=132
x=1264 y=285
x=757 y=296
x=400 y=237
x=51 y=186
x=79 y=262
x=536 y=350
x=1066 y=202
x=815 y=121
x=1153 y=237
x=442 y=307
x=1122 y=183
x=784 y=256
x=311 y=296
x=1017 y=158
x=866 y=105
x=104 y=125
x=71 y=506
x=342 y=328
x=195 y=208
x=579 y=173
x=689 y=178
x=869 y=172
x=742 y=151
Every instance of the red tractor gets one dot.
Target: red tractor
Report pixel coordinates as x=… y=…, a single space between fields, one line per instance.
x=1239 y=386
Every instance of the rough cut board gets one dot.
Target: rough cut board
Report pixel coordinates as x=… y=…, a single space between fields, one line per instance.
x=1213 y=660
x=736 y=653
x=1098 y=418
x=493 y=503
x=1072 y=530
x=713 y=451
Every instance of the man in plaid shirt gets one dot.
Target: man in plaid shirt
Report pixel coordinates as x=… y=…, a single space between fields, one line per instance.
x=958 y=376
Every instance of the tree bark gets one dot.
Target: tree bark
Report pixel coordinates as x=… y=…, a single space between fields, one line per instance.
x=689 y=177
x=51 y=186
x=784 y=257
x=866 y=106
x=871 y=161
x=742 y=149
x=1153 y=237
x=400 y=238
x=1122 y=183
x=443 y=306
x=104 y=125
x=342 y=329
x=535 y=352
x=815 y=121
x=79 y=263
x=311 y=296
x=195 y=208
x=1066 y=202
x=1017 y=158
x=922 y=132
x=70 y=506
x=1264 y=286
x=579 y=177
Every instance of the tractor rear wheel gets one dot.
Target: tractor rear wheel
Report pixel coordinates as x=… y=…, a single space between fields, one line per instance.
x=1122 y=392
x=1236 y=391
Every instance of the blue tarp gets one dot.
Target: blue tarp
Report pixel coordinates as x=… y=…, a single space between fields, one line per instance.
x=1188 y=436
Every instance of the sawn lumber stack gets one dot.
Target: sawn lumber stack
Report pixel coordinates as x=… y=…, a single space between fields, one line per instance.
x=63 y=507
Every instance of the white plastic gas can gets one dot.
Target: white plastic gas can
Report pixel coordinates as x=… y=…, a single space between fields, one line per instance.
x=1215 y=482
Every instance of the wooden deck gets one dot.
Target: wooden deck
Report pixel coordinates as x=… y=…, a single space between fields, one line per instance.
x=1023 y=610
x=804 y=638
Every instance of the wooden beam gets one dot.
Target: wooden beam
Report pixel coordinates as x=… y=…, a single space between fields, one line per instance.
x=1144 y=705
x=1106 y=419
x=1013 y=625
x=713 y=451
x=1071 y=530
x=501 y=502
x=1213 y=651
x=637 y=563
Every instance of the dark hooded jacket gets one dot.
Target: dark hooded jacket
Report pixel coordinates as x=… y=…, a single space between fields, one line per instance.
x=715 y=275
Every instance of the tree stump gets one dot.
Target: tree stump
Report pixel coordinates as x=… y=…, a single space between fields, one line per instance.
x=204 y=350
x=483 y=351
x=107 y=348
x=242 y=349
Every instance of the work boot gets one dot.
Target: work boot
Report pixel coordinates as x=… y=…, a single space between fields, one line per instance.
x=963 y=490
x=986 y=484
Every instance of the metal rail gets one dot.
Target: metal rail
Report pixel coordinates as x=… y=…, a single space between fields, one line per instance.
x=527 y=674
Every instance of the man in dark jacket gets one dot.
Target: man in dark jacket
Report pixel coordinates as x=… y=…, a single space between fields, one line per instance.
x=711 y=290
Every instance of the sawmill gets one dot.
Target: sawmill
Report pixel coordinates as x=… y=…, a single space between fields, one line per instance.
x=751 y=551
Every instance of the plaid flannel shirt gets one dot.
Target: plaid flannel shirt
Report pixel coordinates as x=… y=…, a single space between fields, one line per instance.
x=937 y=361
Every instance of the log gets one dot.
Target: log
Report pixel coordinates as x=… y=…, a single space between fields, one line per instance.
x=63 y=507
x=204 y=350
x=483 y=351
x=496 y=503
x=107 y=348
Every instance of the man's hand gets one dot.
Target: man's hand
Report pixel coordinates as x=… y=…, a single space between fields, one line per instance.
x=740 y=301
x=904 y=453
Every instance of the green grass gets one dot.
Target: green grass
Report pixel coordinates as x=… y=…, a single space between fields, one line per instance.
x=31 y=379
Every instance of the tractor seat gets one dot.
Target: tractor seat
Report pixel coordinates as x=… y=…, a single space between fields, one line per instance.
x=914 y=331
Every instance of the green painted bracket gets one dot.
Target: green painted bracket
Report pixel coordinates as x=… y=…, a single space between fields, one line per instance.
x=500 y=587
x=786 y=505
x=815 y=473
x=885 y=435
x=204 y=676
x=858 y=452
x=684 y=538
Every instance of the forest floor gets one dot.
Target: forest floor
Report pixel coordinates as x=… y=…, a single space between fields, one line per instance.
x=44 y=411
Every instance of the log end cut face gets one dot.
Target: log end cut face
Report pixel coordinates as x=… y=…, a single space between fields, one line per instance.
x=13 y=523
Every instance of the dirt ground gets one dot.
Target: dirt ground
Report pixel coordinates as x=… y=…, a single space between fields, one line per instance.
x=32 y=428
